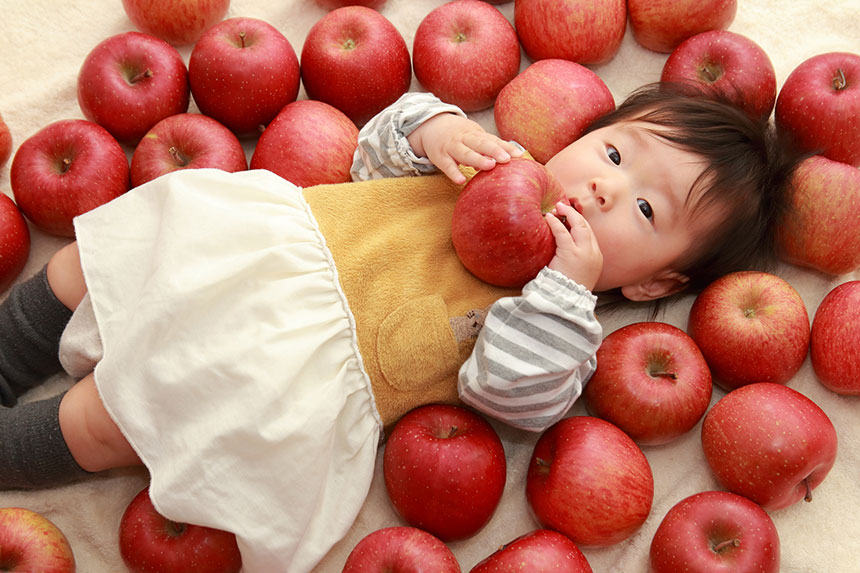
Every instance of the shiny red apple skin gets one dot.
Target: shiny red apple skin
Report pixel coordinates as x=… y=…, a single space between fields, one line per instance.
x=580 y=31
x=726 y=63
x=64 y=170
x=498 y=226
x=834 y=347
x=651 y=381
x=335 y=4
x=14 y=242
x=186 y=141
x=178 y=22
x=819 y=106
x=445 y=470
x=242 y=72
x=5 y=142
x=588 y=480
x=715 y=532
x=131 y=81
x=150 y=542
x=769 y=443
x=465 y=52
x=549 y=105
x=818 y=230
x=308 y=143
x=751 y=326
x=540 y=551
x=661 y=25
x=354 y=59
x=401 y=550
x=29 y=541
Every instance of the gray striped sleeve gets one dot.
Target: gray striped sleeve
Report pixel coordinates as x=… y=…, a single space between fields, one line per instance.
x=384 y=151
x=534 y=354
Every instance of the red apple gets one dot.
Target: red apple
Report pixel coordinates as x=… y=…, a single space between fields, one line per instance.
x=334 y=4
x=354 y=59
x=131 y=81
x=66 y=169
x=725 y=63
x=819 y=106
x=769 y=443
x=14 y=242
x=179 y=22
x=835 y=340
x=581 y=31
x=651 y=381
x=549 y=105
x=29 y=542
x=661 y=25
x=498 y=226
x=444 y=469
x=151 y=542
x=715 y=532
x=308 y=143
x=401 y=550
x=588 y=480
x=186 y=141
x=819 y=228
x=243 y=71
x=541 y=551
x=5 y=142
x=751 y=326
x=464 y=52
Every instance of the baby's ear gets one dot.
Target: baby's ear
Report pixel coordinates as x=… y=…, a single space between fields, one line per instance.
x=664 y=283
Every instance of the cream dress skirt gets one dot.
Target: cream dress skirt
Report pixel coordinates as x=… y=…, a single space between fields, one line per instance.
x=225 y=351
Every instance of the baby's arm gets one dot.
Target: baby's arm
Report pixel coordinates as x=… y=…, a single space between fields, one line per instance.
x=534 y=353
x=385 y=142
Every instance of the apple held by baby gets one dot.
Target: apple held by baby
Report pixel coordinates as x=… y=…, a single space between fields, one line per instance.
x=498 y=226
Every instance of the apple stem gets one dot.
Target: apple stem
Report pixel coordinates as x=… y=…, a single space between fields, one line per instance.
x=175 y=528
x=839 y=82
x=452 y=432
x=662 y=374
x=460 y=38
x=808 y=496
x=727 y=543
x=180 y=159
x=349 y=44
x=147 y=73
x=710 y=72
x=67 y=163
x=242 y=38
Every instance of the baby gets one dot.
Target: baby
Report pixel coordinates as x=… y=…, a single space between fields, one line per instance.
x=249 y=341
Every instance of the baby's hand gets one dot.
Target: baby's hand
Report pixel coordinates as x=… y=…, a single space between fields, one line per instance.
x=577 y=254
x=449 y=140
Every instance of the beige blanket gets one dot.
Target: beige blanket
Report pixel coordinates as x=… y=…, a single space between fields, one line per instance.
x=42 y=45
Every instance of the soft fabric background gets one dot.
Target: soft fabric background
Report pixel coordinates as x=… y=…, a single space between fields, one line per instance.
x=44 y=42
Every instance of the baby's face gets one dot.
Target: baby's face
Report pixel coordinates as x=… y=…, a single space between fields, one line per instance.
x=632 y=187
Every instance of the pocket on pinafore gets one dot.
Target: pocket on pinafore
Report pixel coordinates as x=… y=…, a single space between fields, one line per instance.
x=416 y=345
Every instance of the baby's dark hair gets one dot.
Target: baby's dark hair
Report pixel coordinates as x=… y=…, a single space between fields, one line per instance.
x=748 y=174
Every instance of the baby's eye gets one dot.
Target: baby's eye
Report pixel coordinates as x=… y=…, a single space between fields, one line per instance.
x=646 y=209
x=613 y=154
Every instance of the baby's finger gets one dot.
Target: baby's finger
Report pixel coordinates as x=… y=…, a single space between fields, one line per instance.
x=489 y=146
x=559 y=231
x=450 y=167
x=579 y=229
x=466 y=155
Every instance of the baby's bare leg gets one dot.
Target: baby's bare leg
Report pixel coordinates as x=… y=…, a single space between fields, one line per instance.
x=93 y=438
x=66 y=277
